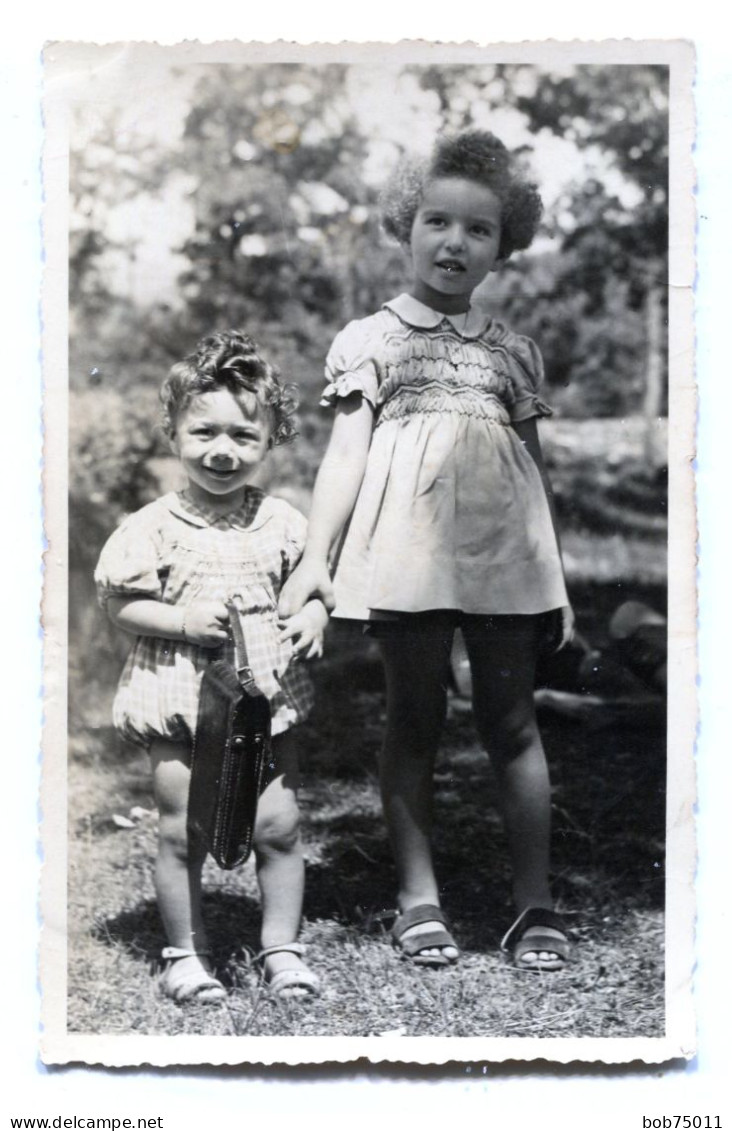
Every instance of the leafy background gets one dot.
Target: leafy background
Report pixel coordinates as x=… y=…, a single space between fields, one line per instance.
x=246 y=196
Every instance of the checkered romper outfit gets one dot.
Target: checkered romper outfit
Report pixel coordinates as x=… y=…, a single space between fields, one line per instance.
x=178 y=552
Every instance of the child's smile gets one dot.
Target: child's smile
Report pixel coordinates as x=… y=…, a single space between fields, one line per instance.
x=220 y=446
x=454 y=243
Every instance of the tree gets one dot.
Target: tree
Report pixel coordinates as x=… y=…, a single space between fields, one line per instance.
x=624 y=111
x=600 y=299
x=280 y=206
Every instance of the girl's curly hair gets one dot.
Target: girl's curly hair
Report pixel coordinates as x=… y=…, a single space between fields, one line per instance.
x=474 y=155
x=229 y=360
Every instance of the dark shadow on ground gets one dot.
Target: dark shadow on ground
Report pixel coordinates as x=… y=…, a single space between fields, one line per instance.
x=608 y=803
x=228 y=916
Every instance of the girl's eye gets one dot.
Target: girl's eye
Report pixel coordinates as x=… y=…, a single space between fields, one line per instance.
x=435 y=221
x=482 y=230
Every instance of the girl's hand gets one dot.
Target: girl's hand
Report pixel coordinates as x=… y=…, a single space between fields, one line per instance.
x=309 y=579
x=334 y=495
x=305 y=630
x=205 y=623
x=558 y=630
x=565 y=628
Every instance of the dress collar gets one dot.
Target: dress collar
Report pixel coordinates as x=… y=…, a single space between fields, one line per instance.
x=422 y=317
x=249 y=516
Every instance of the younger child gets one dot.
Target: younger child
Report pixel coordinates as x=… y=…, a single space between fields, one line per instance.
x=166 y=576
x=435 y=471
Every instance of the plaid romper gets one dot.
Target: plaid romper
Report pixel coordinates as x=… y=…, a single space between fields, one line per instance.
x=178 y=552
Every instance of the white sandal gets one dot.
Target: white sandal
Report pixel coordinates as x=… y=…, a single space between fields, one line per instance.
x=295 y=982
x=189 y=985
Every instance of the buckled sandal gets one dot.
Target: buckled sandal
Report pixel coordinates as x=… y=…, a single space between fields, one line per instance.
x=413 y=946
x=182 y=984
x=295 y=982
x=519 y=943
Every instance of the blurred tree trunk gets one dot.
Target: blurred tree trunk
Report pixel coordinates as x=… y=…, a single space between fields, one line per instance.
x=653 y=398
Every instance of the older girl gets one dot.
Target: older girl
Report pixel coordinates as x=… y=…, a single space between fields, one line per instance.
x=435 y=471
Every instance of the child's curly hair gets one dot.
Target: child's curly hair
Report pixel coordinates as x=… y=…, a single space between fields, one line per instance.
x=229 y=360
x=474 y=155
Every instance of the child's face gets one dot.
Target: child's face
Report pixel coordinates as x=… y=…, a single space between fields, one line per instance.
x=220 y=446
x=454 y=244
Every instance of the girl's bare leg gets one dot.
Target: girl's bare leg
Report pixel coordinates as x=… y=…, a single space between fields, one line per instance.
x=416 y=667
x=502 y=653
x=178 y=868
x=280 y=867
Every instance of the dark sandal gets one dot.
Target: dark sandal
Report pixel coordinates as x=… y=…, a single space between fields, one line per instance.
x=516 y=941
x=183 y=986
x=412 y=947
x=295 y=982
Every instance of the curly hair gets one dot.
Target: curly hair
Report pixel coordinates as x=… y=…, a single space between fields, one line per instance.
x=229 y=360
x=474 y=155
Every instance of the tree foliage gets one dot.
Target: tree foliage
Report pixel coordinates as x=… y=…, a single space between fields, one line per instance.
x=285 y=240
x=589 y=302
x=279 y=203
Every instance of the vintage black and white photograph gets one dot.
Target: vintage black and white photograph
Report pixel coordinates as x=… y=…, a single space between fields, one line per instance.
x=373 y=490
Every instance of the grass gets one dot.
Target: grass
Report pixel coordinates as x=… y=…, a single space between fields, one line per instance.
x=608 y=797
x=608 y=840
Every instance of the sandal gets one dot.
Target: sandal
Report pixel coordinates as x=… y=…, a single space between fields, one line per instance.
x=517 y=941
x=182 y=985
x=297 y=981
x=413 y=946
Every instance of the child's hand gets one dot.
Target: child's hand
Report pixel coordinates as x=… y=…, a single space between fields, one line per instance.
x=565 y=628
x=305 y=630
x=206 y=623
x=558 y=630
x=309 y=579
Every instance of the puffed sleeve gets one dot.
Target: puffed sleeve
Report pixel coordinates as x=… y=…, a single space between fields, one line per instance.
x=350 y=366
x=527 y=375
x=129 y=564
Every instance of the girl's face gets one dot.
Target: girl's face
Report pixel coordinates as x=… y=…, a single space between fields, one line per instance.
x=220 y=445
x=454 y=243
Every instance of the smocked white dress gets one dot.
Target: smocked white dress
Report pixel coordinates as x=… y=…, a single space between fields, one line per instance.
x=452 y=512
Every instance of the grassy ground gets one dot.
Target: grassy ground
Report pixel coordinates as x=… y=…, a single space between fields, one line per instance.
x=608 y=858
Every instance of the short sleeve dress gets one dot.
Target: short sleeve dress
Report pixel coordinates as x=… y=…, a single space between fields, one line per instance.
x=452 y=513
x=177 y=552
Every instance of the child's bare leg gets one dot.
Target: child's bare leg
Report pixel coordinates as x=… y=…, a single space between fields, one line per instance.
x=178 y=866
x=280 y=868
x=503 y=661
x=177 y=871
x=416 y=667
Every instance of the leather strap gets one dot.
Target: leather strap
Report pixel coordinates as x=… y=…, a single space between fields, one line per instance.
x=534 y=917
x=241 y=660
x=423 y=913
x=173 y=952
x=283 y=948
